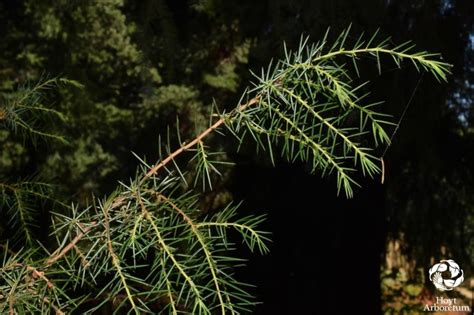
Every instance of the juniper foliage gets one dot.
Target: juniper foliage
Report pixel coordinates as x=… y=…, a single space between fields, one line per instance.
x=148 y=247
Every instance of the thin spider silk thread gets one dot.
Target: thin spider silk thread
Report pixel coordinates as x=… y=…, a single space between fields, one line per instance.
x=397 y=127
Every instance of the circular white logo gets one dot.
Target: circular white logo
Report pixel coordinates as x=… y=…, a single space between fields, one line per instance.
x=446 y=275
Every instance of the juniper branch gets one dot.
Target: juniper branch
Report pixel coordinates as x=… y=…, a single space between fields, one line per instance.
x=149 y=239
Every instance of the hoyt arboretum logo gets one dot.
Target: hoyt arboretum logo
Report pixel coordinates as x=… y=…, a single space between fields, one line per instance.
x=446 y=275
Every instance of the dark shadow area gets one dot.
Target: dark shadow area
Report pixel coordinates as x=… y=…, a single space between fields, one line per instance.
x=326 y=251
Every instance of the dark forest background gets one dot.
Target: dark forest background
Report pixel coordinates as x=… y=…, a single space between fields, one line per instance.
x=144 y=62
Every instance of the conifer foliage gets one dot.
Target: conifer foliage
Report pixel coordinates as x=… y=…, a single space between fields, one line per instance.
x=148 y=247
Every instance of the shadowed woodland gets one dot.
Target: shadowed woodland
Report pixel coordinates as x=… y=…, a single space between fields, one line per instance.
x=125 y=75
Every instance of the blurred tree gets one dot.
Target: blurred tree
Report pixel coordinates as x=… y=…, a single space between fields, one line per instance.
x=138 y=72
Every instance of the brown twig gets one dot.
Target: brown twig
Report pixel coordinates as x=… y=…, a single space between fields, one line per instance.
x=36 y=274
x=115 y=203
x=40 y=274
x=187 y=146
x=71 y=245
